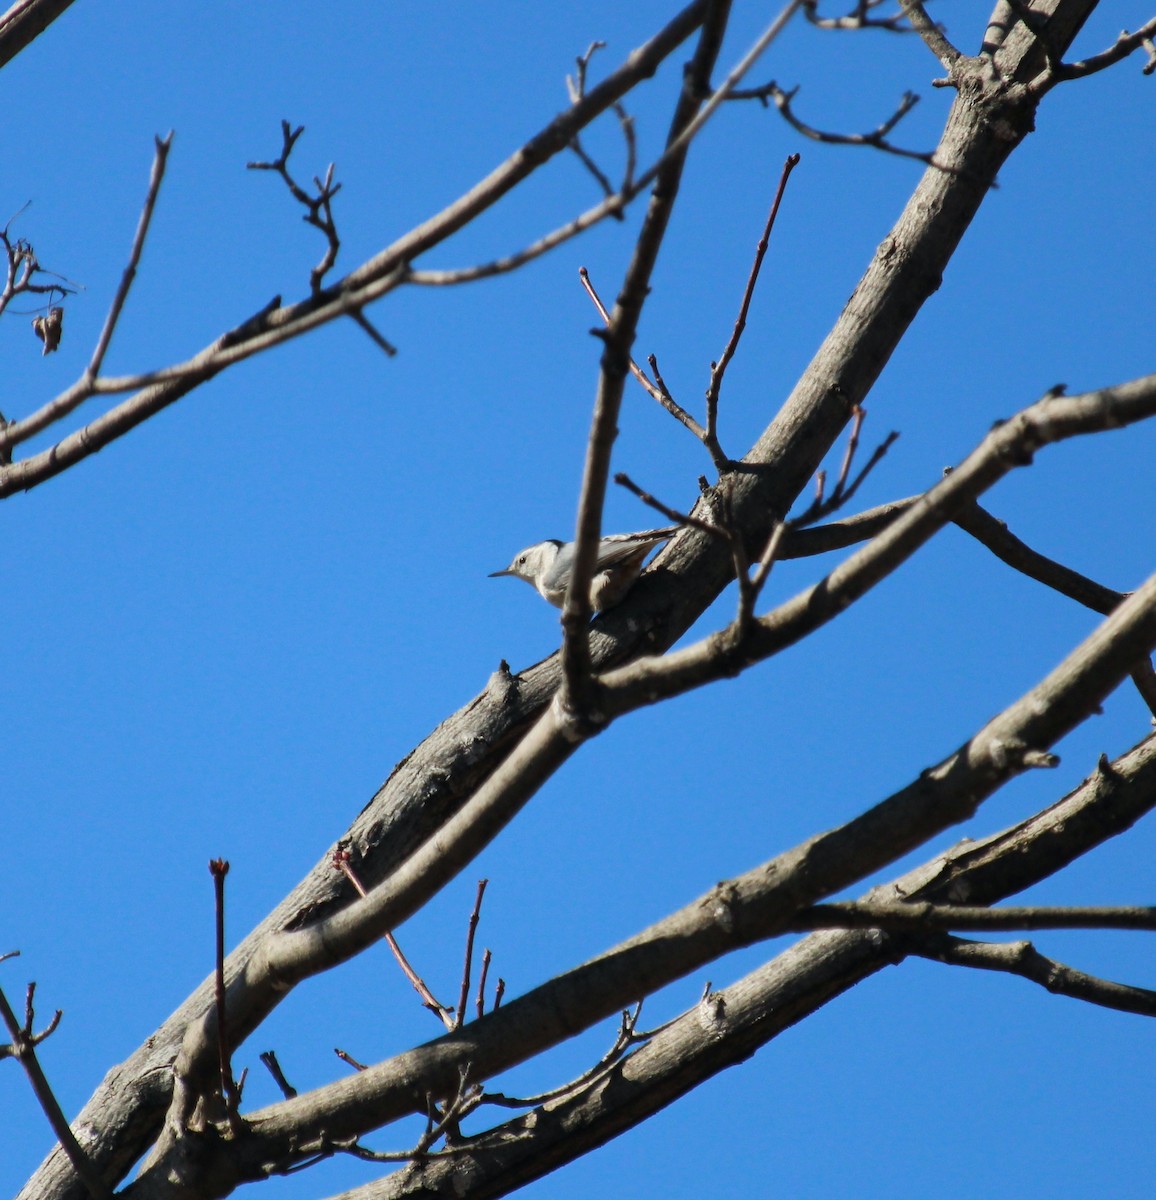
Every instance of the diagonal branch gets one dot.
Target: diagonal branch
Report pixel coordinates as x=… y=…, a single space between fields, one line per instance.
x=761 y=903
x=728 y=1026
x=1126 y=44
x=24 y=1043
x=718 y=370
x=657 y=390
x=25 y=21
x=1010 y=444
x=373 y=279
x=578 y=692
x=1015 y=741
x=156 y=177
x=931 y=33
x=995 y=535
x=1024 y=960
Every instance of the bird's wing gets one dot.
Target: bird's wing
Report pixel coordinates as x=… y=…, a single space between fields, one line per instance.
x=622 y=547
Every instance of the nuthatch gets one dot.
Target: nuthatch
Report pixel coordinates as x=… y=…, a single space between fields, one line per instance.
x=548 y=566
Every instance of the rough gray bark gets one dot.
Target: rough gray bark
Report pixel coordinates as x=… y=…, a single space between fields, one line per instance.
x=991 y=115
x=25 y=21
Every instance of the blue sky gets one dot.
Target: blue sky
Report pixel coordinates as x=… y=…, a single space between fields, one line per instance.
x=224 y=630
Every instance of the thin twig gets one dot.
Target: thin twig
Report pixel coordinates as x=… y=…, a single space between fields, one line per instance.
x=626 y=124
x=467 y=1098
x=230 y=1093
x=671 y=514
x=1124 y=45
x=858 y=413
x=877 y=138
x=378 y=340
x=341 y=860
x=657 y=391
x=770 y=556
x=471 y=930
x=269 y=1058
x=576 y=87
x=22 y=267
x=346 y=1057
x=718 y=370
x=858 y=18
x=724 y=529
x=824 y=505
x=624 y=1039
x=318 y=207
x=931 y=33
x=156 y=177
x=24 y=1043
x=480 y=1002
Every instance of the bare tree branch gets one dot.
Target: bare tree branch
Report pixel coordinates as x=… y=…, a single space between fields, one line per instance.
x=742 y=910
x=1008 y=445
x=578 y=693
x=1024 y=960
x=433 y=781
x=859 y=18
x=1125 y=45
x=718 y=370
x=318 y=207
x=142 y=229
x=920 y=915
x=931 y=33
x=23 y=1049
x=375 y=278
x=728 y=1026
x=657 y=390
x=877 y=138
x=25 y=21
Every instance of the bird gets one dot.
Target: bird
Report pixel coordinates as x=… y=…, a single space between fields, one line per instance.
x=548 y=566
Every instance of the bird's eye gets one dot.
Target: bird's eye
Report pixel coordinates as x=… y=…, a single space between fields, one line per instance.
x=521 y=560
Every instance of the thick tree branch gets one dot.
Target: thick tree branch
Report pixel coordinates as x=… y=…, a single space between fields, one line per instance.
x=436 y=778
x=1066 y=697
x=728 y=1026
x=754 y=906
x=25 y=21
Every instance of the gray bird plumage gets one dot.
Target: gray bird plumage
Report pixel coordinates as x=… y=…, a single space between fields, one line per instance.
x=548 y=566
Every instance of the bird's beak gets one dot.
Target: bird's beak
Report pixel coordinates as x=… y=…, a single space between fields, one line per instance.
x=495 y=574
